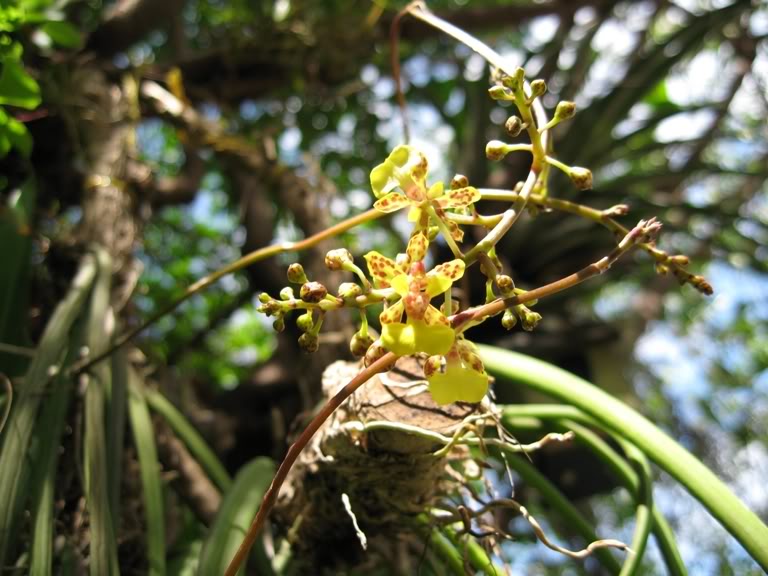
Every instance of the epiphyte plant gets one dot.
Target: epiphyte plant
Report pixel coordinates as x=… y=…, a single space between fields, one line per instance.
x=413 y=319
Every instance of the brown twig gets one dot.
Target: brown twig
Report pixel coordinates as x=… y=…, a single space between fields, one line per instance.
x=270 y=497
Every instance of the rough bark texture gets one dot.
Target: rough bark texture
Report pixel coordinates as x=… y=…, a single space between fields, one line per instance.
x=388 y=476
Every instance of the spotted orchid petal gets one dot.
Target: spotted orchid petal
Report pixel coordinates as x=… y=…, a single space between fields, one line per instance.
x=391 y=202
x=417 y=247
x=433 y=317
x=440 y=278
x=381 y=269
x=401 y=284
x=459 y=198
x=393 y=313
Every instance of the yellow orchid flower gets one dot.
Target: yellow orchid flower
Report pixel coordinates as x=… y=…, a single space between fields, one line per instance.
x=426 y=329
x=406 y=169
x=459 y=377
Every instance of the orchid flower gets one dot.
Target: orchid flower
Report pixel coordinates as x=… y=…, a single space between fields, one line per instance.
x=426 y=329
x=406 y=169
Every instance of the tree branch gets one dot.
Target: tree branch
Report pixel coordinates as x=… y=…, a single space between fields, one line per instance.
x=129 y=21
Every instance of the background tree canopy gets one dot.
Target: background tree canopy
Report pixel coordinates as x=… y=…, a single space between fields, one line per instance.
x=183 y=134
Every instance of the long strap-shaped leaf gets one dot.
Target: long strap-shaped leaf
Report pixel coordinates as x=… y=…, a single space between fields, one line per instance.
x=103 y=549
x=144 y=439
x=14 y=465
x=742 y=523
x=237 y=510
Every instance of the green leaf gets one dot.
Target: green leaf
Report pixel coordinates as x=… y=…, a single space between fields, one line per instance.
x=103 y=549
x=238 y=508
x=614 y=415
x=144 y=439
x=14 y=465
x=17 y=88
x=62 y=33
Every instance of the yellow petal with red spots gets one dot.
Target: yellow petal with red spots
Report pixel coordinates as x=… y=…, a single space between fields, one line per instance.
x=440 y=278
x=433 y=317
x=381 y=269
x=392 y=202
x=417 y=247
x=393 y=313
x=456 y=232
x=459 y=198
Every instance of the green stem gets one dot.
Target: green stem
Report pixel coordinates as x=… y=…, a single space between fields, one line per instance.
x=622 y=420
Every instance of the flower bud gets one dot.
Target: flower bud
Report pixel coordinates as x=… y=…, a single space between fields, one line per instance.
x=359 y=344
x=264 y=297
x=505 y=283
x=296 y=274
x=279 y=324
x=513 y=126
x=305 y=322
x=499 y=93
x=309 y=342
x=349 y=290
x=286 y=293
x=269 y=307
x=313 y=292
x=459 y=181
x=375 y=351
x=530 y=319
x=581 y=177
x=433 y=365
x=495 y=150
x=565 y=110
x=538 y=88
x=336 y=259
x=509 y=320
x=679 y=260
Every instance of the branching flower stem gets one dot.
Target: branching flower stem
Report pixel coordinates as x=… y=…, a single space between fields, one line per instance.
x=270 y=497
x=239 y=264
x=467 y=318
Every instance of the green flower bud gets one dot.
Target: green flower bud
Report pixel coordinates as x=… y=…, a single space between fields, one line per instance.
x=565 y=110
x=286 y=293
x=279 y=324
x=505 y=283
x=511 y=82
x=581 y=177
x=264 y=297
x=336 y=259
x=500 y=93
x=513 y=126
x=349 y=290
x=495 y=150
x=309 y=342
x=538 y=88
x=313 y=292
x=459 y=181
x=270 y=307
x=296 y=274
x=305 y=322
x=359 y=344
x=509 y=319
x=530 y=319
